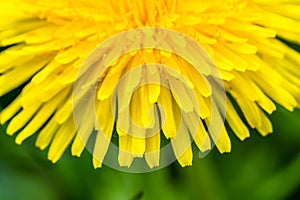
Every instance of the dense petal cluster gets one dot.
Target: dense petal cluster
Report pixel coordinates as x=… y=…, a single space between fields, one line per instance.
x=47 y=41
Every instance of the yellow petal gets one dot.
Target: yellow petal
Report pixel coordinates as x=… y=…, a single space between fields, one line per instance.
x=61 y=140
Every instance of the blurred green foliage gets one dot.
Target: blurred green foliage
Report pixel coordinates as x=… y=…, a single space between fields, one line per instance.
x=258 y=168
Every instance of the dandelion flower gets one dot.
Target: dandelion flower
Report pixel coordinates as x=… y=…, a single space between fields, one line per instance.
x=44 y=44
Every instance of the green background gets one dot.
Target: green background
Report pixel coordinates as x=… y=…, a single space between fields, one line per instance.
x=258 y=168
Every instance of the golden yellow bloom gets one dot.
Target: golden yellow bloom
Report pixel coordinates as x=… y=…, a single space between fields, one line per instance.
x=47 y=42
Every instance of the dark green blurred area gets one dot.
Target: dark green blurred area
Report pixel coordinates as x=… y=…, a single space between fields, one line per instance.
x=258 y=168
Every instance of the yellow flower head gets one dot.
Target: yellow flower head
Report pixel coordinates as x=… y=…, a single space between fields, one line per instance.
x=46 y=45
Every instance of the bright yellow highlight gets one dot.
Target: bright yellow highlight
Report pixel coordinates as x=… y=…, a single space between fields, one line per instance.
x=49 y=40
